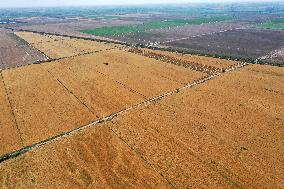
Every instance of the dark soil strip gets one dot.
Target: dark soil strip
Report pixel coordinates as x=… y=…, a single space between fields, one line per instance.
x=179 y=62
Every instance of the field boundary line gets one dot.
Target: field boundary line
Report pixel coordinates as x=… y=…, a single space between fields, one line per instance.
x=70 y=92
x=144 y=159
x=113 y=115
x=58 y=59
x=12 y=109
x=104 y=39
x=177 y=61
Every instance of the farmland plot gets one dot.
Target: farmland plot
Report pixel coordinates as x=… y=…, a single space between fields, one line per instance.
x=10 y=138
x=250 y=43
x=178 y=33
x=92 y=159
x=14 y=52
x=77 y=91
x=191 y=59
x=61 y=47
x=101 y=94
x=152 y=80
x=225 y=133
x=43 y=108
x=73 y=28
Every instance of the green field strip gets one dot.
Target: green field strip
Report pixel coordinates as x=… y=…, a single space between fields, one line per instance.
x=117 y=30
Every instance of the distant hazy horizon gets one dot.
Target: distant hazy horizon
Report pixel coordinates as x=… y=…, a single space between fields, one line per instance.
x=52 y=3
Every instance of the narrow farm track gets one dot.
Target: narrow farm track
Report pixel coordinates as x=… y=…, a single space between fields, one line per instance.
x=113 y=115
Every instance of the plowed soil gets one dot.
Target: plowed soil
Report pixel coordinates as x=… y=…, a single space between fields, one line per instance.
x=93 y=159
x=178 y=33
x=246 y=43
x=14 y=52
x=9 y=136
x=43 y=107
x=61 y=47
x=224 y=133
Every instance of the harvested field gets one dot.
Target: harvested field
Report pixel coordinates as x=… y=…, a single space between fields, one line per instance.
x=247 y=44
x=76 y=91
x=226 y=133
x=154 y=78
x=14 y=52
x=93 y=159
x=99 y=92
x=10 y=139
x=61 y=47
x=43 y=107
x=178 y=33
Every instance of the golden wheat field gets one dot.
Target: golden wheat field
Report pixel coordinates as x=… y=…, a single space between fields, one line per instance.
x=102 y=115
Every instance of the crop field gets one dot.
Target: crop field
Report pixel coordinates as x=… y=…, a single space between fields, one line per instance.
x=117 y=30
x=14 y=52
x=191 y=59
x=60 y=47
x=194 y=138
x=92 y=159
x=9 y=136
x=78 y=90
x=213 y=134
x=156 y=96
x=246 y=44
x=161 y=36
x=42 y=107
x=73 y=28
x=154 y=76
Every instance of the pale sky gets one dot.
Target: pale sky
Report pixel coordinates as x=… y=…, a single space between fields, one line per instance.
x=42 y=3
